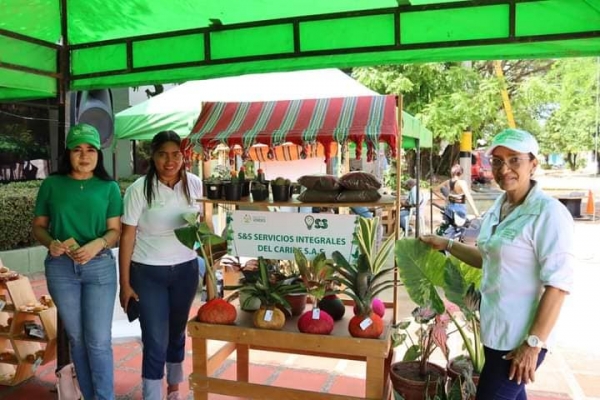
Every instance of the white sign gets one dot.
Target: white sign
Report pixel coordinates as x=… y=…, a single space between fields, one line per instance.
x=273 y=235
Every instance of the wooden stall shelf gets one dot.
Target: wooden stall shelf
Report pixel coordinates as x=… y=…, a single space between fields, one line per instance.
x=243 y=337
x=29 y=352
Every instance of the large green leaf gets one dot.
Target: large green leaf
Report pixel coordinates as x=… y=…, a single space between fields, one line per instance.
x=422 y=272
x=458 y=276
x=187 y=236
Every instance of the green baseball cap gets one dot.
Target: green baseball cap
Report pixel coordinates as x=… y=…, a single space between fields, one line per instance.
x=83 y=133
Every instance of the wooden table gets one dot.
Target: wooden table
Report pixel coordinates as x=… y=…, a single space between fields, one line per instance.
x=242 y=337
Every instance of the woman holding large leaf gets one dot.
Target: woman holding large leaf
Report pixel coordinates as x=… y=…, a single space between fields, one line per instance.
x=156 y=269
x=525 y=249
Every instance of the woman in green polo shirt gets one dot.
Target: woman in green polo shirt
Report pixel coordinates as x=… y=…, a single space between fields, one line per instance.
x=77 y=217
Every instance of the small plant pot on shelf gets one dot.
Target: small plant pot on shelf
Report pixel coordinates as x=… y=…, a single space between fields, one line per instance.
x=245 y=188
x=233 y=191
x=212 y=190
x=281 y=192
x=260 y=191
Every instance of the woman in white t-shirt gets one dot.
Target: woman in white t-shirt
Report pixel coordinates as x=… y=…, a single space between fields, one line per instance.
x=525 y=248
x=156 y=270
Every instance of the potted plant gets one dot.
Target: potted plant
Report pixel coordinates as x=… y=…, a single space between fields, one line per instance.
x=365 y=278
x=259 y=190
x=460 y=288
x=415 y=377
x=281 y=189
x=212 y=187
x=271 y=294
x=215 y=310
x=427 y=273
x=233 y=187
x=316 y=275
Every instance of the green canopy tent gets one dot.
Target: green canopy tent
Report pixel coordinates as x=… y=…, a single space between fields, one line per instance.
x=50 y=46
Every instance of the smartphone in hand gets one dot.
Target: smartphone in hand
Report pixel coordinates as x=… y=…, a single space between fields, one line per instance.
x=133 y=310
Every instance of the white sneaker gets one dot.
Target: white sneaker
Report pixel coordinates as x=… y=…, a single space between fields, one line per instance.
x=173 y=396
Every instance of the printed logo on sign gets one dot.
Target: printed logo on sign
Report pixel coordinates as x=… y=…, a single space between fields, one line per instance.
x=247 y=219
x=260 y=219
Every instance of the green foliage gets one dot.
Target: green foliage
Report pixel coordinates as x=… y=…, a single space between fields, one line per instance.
x=427 y=273
x=367 y=277
x=17 y=202
x=269 y=293
x=316 y=274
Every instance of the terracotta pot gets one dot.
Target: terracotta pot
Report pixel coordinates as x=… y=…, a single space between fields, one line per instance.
x=297 y=302
x=455 y=373
x=407 y=382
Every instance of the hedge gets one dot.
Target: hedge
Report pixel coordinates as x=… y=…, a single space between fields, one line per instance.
x=17 y=202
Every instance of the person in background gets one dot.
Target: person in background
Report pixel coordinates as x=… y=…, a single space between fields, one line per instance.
x=77 y=216
x=408 y=203
x=525 y=248
x=155 y=268
x=456 y=192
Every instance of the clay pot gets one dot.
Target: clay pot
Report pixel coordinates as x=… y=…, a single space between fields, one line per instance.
x=410 y=385
x=297 y=302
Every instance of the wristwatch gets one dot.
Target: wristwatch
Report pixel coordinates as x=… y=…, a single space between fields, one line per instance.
x=534 y=341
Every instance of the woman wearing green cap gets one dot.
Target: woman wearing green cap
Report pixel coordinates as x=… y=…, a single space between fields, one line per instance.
x=77 y=217
x=525 y=249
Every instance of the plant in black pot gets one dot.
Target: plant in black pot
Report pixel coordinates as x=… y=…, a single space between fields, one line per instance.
x=233 y=188
x=281 y=189
x=259 y=190
x=212 y=187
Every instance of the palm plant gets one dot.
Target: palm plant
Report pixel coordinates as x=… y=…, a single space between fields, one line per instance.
x=364 y=279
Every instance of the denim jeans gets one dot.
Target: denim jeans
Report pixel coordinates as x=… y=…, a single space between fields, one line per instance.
x=85 y=296
x=493 y=381
x=165 y=297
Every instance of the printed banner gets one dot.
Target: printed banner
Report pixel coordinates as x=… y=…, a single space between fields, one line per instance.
x=275 y=234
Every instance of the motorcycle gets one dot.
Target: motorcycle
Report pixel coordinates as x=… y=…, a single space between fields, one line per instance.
x=455 y=226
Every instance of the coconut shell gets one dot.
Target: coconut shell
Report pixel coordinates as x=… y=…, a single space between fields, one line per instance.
x=333 y=306
x=321 y=326
x=217 y=311
x=276 y=322
x=373 y=331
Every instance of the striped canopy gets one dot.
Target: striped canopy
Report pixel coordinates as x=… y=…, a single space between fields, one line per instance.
x=365 y=119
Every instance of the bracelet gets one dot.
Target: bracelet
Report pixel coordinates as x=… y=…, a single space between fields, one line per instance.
x=450 y=244
x=105 y=245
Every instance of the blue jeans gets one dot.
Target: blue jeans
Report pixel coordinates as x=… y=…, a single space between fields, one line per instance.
x=165 y=296
x=493 y=381
x=85 y=296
